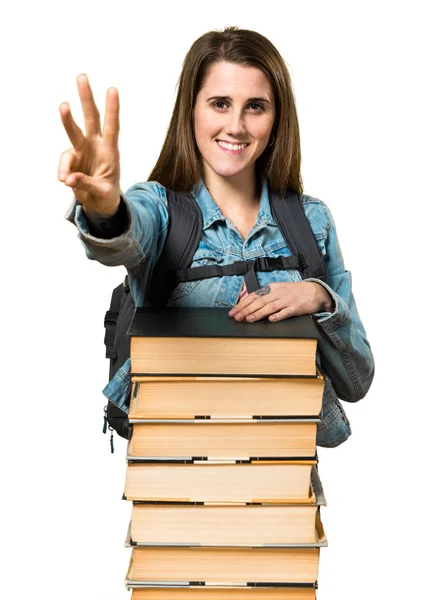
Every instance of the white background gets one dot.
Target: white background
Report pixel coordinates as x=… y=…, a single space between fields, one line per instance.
x=362 y=77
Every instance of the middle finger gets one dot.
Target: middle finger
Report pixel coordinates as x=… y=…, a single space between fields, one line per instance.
x=90 y=110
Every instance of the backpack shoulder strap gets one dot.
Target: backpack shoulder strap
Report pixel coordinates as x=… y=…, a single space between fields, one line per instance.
x=183 y=236
x=294 y=226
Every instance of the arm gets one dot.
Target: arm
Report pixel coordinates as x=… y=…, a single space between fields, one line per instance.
x=342 y=331
x=92 y=169
x=134 y=234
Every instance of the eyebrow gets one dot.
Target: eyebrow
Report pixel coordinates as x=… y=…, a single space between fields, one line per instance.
x=226 y=98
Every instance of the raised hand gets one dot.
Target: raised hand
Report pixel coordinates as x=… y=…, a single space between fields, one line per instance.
x=91 y=167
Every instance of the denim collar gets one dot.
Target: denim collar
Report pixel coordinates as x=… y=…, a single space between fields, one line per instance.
x=212 y=213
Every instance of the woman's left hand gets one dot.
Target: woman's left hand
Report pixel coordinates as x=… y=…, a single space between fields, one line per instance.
x=278 y=301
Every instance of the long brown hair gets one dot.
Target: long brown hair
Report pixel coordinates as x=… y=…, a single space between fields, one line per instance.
x=179 y=165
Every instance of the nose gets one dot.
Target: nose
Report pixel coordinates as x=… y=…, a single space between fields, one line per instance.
x=235 y=125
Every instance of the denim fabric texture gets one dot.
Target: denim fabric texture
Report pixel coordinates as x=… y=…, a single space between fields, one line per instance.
x=140 y=245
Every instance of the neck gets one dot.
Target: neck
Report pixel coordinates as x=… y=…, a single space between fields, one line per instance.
x=240 y=192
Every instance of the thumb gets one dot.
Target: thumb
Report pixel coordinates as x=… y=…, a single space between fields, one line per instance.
x=84 y=183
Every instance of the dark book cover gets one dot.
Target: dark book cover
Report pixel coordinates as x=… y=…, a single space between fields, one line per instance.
x=215 y=322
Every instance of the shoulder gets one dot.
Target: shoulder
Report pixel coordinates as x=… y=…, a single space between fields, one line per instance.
x=148 y=198
x=318 y=214
x=147 y=190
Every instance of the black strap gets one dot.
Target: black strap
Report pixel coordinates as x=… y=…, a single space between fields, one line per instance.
x=241 y=267
x=183 y=235
x=110 y=319
x=294 y=226
x=247 y=268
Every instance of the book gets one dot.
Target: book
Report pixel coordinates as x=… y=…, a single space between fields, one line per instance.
x=206 y=341
x=254 y=526
x=220 y=482
x=225 y=397
x=201 y=593
x=197 y=566
x=207 y=440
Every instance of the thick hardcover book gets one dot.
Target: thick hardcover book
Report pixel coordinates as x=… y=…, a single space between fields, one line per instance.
x=215 y=441
x=206 y=341
x=225 y=398
x=232 y=567
x=215 y=322
x=254 y=526
x=274 y=482
x=316 y=494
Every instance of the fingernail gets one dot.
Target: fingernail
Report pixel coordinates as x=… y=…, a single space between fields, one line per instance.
x=62 y=175
x=250 y=318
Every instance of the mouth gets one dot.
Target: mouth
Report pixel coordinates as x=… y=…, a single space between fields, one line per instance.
x=230 y=148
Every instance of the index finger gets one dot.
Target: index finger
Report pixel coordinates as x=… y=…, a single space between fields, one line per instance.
x=111 y=119
x=72 y=129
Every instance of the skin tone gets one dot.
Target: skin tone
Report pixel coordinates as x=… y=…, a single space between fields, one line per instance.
x=236 y=104
x=283 y=300
x=91 y=168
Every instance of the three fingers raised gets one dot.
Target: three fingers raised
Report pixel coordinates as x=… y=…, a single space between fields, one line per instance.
x=91 y=115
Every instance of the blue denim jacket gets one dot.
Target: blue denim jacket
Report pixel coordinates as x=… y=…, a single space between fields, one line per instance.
x=139 y=247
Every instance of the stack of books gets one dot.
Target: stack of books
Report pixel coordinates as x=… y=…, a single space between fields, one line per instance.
x=222 y=464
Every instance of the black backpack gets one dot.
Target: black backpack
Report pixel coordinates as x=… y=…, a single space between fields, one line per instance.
x=173 y=267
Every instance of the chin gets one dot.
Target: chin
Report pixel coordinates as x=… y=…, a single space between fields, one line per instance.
x=228 y=170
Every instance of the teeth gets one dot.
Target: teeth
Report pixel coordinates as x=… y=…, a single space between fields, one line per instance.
x=231 y=146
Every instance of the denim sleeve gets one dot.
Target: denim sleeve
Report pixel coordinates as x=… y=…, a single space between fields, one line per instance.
x=343 y=327
x=140 y=235
x=109 y=227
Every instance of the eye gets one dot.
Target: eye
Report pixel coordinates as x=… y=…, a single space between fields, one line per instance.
x=259 y=108
x=218 y=102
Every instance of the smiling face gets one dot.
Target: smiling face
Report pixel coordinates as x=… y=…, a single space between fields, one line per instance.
x=233 y=118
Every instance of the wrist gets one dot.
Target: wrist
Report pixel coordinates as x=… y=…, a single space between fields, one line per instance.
x=324 y=299
x=109 y=212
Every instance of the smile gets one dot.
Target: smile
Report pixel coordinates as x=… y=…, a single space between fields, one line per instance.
x=231 y=148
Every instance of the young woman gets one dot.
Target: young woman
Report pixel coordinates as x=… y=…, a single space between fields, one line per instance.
x=233 y=139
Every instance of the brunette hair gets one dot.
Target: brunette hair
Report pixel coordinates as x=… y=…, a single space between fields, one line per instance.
x=179 y=165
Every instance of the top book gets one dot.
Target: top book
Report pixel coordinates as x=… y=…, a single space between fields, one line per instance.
x=206 y=341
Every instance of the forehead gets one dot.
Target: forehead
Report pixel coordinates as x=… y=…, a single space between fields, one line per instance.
x=230 y=79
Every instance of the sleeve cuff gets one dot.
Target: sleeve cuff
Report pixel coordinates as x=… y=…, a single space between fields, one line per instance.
x=109 y=227
x=76 y=215
x=341 y=313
